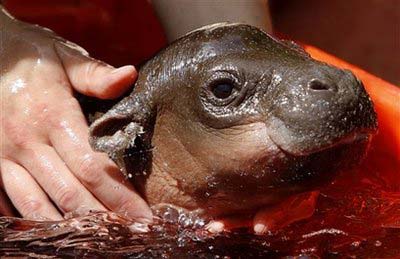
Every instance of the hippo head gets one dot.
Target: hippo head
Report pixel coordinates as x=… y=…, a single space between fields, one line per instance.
x=229 y=119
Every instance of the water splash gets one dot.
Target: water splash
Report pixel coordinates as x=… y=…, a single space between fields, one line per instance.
x=349 y=222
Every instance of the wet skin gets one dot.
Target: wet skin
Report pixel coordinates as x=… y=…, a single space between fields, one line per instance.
x=47 y=167
x=228 y=119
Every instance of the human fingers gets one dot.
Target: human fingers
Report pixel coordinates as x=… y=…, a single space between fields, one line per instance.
x=293 y=209
x=271 y=218
x=93 y=77
x=95 y=170
x=230 y=223
x=26 y=195
x=51 y=173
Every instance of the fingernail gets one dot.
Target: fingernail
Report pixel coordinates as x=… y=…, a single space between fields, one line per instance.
x=215 y=227
x=123 y=69
x=145 y=217
x=137 y=213
x=260 y=229
x=144 y=220
x=139 y=227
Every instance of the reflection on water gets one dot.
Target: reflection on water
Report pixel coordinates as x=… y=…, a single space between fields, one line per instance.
x=351 y=220
x=174 y=234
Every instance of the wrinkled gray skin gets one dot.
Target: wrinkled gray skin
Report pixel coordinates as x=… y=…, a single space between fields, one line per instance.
x=288 y=125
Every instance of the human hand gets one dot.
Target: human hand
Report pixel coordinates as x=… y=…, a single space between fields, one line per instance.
x=47 y=166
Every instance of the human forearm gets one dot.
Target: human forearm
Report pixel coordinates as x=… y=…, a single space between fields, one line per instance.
x=181 y=16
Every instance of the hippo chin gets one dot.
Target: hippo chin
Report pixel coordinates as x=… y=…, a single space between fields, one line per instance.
x=229 y=119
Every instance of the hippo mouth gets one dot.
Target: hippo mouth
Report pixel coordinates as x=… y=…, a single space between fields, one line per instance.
x=295 y=173
x=362 y=136
x=312 y=168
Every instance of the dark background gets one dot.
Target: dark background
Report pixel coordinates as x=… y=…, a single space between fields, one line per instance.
x=363 y=32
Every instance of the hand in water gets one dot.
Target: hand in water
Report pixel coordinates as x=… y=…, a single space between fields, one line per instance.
x=272 y=218
x=47 y=166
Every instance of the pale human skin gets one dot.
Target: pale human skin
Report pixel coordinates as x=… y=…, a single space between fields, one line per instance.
x=179 y=17
x=47 y=166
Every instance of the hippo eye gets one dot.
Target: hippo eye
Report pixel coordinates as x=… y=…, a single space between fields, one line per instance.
x=222 y=89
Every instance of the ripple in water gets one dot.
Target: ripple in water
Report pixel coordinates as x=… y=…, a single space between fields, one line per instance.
x=175 y=233
x=348 y=222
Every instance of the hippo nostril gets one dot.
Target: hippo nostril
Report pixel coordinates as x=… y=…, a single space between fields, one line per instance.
x=319 y=86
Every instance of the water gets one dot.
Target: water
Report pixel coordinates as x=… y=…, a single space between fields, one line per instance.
x=353 y=219
x=358 y=215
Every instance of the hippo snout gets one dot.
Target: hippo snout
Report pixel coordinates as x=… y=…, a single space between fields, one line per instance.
x=318 y=86
x=318 y=109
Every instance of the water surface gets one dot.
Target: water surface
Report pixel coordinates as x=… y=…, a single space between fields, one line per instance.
x=356 y=220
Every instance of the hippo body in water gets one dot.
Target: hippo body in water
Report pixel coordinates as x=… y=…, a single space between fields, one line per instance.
x=228 y=119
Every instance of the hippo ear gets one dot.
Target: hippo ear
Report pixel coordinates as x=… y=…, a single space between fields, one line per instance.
x=121 y=128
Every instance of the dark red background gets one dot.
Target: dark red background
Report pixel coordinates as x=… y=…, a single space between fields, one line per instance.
x=363 y=32
x=119 y=32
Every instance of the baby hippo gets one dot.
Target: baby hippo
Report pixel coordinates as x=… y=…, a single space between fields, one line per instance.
x=228 y=119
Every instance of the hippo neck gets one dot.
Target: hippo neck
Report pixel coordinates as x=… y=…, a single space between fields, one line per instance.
x=159 y=184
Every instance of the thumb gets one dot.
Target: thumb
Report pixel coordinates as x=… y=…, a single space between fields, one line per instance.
x=92 y=77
